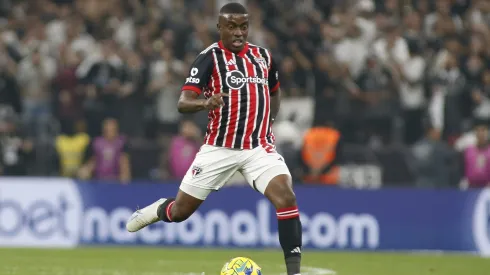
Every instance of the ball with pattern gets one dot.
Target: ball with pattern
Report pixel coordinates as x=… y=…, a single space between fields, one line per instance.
x=241 y=266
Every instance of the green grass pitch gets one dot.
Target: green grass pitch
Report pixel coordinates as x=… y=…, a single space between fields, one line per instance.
x=173 y=261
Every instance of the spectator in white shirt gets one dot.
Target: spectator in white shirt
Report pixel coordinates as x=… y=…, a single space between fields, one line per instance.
x=391 y=48
x=412 y=94
x=352 y=50
x=443 y=10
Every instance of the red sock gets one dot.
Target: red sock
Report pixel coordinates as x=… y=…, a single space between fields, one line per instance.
x=287 y=213
x=290 y=238
x=168 y=211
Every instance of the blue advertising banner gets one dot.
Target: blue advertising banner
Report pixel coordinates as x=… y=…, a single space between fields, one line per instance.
x=64 y=213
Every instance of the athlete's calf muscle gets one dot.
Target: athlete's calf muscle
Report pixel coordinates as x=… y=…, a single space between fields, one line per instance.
x=180 y=208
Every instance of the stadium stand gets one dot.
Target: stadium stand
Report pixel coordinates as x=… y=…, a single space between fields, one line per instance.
x=404 y=82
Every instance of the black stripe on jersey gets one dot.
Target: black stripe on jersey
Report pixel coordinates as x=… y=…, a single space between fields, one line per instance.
x=220 y=139
x=244 y=106
x=260 y=102
x=267 y=56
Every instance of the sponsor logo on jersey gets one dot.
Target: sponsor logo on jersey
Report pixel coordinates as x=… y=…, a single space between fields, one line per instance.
x=191 y=79
x=236 y=80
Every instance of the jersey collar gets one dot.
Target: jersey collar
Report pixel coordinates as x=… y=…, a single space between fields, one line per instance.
x=241 y=53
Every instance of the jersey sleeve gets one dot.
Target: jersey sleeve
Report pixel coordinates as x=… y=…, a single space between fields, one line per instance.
x=200 y=73
x=273 y=77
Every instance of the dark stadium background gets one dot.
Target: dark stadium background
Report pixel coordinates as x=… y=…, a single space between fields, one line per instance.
x=334 y=68
x=394 y=94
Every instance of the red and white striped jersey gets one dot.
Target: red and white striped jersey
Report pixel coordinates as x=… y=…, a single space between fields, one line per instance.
x=249 y=77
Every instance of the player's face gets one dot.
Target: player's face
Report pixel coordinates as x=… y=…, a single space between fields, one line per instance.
x=233 y=29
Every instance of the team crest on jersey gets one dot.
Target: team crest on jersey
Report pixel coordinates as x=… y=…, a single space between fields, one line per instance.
x=262 y=62
x=196 y=171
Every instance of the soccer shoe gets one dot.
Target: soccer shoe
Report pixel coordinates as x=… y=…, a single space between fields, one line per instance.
x=144 y=217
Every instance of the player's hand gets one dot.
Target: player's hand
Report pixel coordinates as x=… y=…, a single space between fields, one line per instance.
x=215 y=101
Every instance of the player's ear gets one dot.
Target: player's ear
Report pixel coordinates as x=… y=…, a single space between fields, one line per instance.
x=218 y=26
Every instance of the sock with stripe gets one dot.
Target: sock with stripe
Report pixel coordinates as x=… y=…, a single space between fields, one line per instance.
x=290 y=238
x=163 y=211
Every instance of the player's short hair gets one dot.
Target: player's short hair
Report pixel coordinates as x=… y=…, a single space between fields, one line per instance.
x=233 y=8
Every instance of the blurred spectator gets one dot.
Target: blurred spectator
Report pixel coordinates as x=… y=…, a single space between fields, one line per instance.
x=67 y=91
x=132 y=96
x=413 y=26
x=447 y=89
x=479 y=12
x=289 y=141
x=374 y=68
x=294 y=78
x=321 y=154
x=326 y=89
x=439 y=19
x=430 y=160
x=391 y=48
x=481 y=98
x=477 y=159
x=107 y=156
x=36 y=71
x=103 y=85
x=378 y=100
x=287 y=133
x=452 y=48
x=183 y=149
x=9 y=89
x=465 y=141
x=412 y=94
x=71 y=146
x=123 y=27
x=165 y=84
x=15 y=148
x=353 y=49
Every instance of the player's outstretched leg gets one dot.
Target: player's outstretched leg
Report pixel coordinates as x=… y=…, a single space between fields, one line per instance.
x=280 y=193
x=167 y=210
x=178 y=209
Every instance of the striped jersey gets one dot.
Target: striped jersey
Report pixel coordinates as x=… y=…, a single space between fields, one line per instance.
x=249 y=77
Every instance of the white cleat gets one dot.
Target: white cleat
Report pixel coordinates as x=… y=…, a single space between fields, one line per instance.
x=144 y=217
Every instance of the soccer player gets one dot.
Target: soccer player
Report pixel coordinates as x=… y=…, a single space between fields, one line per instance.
x=241 y=91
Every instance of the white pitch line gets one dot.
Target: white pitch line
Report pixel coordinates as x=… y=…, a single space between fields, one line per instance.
x=306 y=270
x=318 y=271
x=310 y=270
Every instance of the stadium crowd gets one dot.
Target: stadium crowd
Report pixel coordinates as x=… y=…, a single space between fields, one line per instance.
x=400 y=83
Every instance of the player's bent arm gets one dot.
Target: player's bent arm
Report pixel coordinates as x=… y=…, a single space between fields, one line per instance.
x=190 y=103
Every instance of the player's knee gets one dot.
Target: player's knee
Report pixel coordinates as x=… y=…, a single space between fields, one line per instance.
x=280 y=192
x=285 y=199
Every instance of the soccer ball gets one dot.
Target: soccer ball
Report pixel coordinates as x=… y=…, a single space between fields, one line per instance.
x=241 y=266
